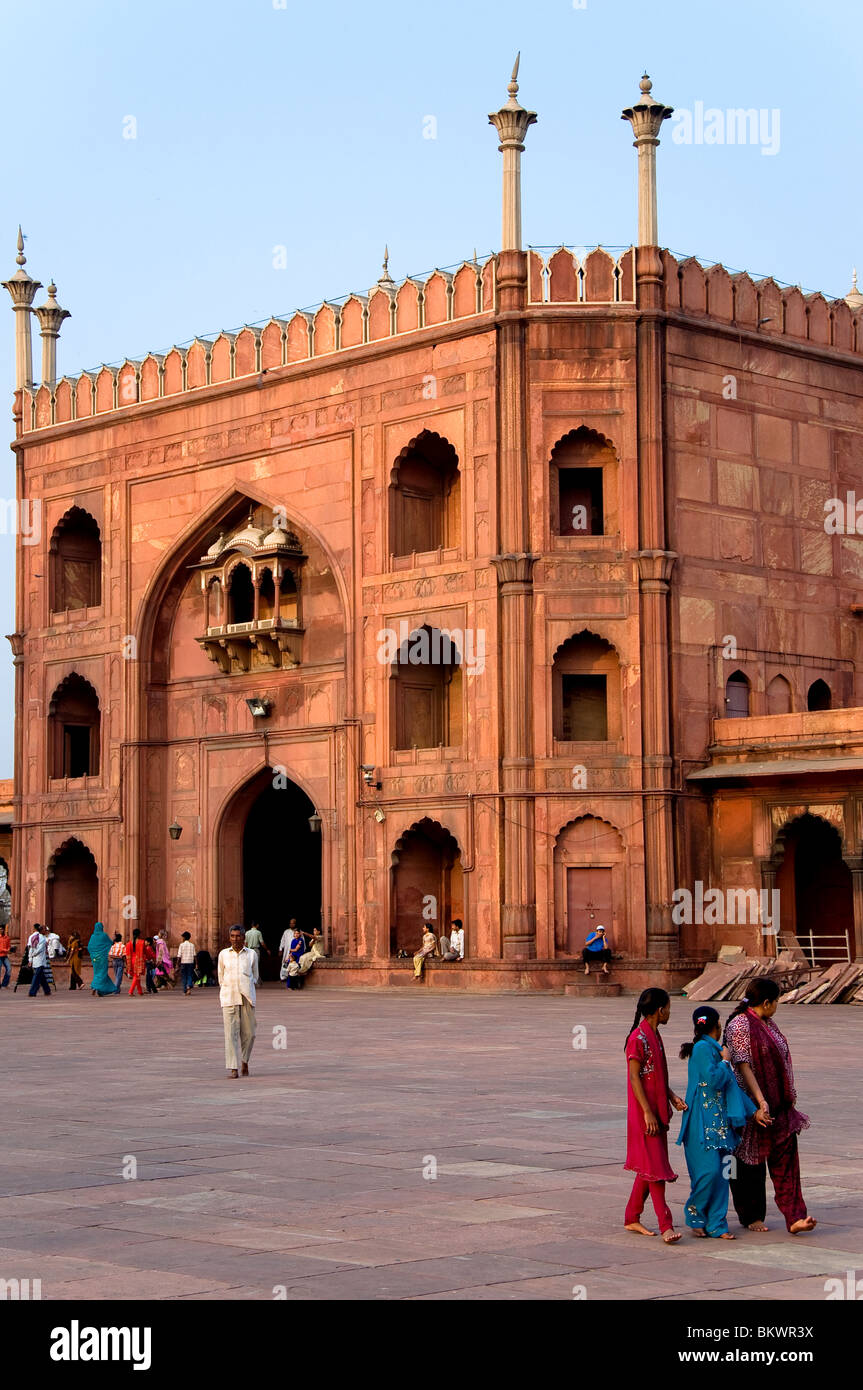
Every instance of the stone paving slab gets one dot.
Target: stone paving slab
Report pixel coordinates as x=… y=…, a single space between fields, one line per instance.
x=310 y=1174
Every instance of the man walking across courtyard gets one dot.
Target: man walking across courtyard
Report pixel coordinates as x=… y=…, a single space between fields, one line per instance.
x=38 y=947
x=186 y=957
x=238 y=975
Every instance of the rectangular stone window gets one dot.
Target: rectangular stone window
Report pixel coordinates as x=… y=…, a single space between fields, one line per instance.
x=580 y=491
x=584 y=708
x=77 y=750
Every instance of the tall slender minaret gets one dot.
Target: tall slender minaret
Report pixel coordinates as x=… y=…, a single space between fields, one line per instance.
x=23 y=292
x=50 y=317
x=511 y=123
x=646 y=118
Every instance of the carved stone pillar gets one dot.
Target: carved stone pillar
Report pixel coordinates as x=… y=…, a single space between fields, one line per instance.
x=654 y=571
x=855 y=864
x=515 y=593
x=514 y=565
x=17 y=879
x=655 y=564
x=767 y=946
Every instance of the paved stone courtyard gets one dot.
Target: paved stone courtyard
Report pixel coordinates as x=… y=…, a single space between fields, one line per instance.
x=309 y=1176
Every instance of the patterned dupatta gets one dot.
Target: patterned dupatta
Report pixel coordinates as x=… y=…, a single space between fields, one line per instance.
x=772 y=1070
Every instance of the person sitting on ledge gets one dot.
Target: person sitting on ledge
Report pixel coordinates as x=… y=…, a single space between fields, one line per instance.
x=429 y=948
x=596 y=949
x=314 y=953
x=452 y=946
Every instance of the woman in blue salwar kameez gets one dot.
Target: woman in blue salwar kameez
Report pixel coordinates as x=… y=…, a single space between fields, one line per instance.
x=97 y=948
x=712 y=1126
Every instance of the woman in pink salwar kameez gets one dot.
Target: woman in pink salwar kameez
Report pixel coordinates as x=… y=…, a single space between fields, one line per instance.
x=648 y=1115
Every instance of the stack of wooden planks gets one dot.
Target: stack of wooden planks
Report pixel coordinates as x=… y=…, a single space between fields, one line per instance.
x=841 y=983
x=800 y=983
x=722 y=980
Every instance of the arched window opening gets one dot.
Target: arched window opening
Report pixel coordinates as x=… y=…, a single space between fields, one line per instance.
x=75 y=727
x=241 y=596
x=75 y=563
x=737 y=691
x=779 y=696
x=266 y=597
x=583 y=485
x=290 y=598
x=586 y=690
x=819 y=696
x=425 y=506
x=428 y=691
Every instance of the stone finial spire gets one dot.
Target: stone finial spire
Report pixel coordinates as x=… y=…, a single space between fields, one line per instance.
x=50 y=317
x=854 y=299
x=511 y=123
x=22 y=291
x=646 y=118
x=386 y=281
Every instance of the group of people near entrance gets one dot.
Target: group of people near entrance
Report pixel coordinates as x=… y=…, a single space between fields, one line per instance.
x=739 y=1118
x=298 y=951
x=145 y=962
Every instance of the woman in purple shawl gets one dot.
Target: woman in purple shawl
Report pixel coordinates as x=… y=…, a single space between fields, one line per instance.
x=762 y=1062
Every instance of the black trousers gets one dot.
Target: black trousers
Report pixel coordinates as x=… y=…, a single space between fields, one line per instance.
x=749 y=1186
x=589 y=956
x=749 y=1192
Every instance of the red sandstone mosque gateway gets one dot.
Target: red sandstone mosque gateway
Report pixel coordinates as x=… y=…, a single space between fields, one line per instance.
x=611 y=471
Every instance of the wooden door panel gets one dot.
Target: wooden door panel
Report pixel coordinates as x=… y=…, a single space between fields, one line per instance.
x=589 y=903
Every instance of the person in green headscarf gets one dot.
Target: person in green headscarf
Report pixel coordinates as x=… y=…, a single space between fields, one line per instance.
x=98 y=947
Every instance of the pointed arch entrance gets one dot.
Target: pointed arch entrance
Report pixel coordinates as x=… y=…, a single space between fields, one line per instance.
x=589 y=885
x=815 y=885
x=269 y=861
x=426 y=877
x=72 y=898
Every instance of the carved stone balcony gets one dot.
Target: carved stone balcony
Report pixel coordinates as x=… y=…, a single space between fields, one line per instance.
x=269 y=644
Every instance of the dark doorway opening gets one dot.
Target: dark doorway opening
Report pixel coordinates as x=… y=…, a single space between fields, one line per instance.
x=281 y=867
x=428 y=885
x=816 y=893
x=73 y=891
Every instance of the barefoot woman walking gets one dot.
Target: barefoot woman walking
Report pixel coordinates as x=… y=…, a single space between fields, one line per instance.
x=762 y=1061
x=648 y=1116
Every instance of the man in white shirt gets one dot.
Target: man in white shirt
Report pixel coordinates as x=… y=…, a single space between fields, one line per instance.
x=238 y=975
x=454 y=948
x=55 y=945
x=37 y=945
x=186 y=958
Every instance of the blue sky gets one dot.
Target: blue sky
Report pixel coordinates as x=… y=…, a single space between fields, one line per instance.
x=265 y=123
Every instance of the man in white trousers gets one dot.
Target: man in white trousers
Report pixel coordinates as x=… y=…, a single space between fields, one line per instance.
x=238 y=975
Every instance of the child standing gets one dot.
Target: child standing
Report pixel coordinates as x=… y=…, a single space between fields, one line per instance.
x=712 y=1126
x=649 y=1103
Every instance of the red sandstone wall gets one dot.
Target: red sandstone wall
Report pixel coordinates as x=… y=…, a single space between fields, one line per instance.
x=746 y=481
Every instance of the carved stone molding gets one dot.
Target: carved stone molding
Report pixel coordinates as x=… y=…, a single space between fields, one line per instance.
x=831 y=811
x=654 y=569
x=514 y=569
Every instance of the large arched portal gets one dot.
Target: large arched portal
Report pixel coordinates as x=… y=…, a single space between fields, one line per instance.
x=73 y=891
x=270 y=861
x=814 y=882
